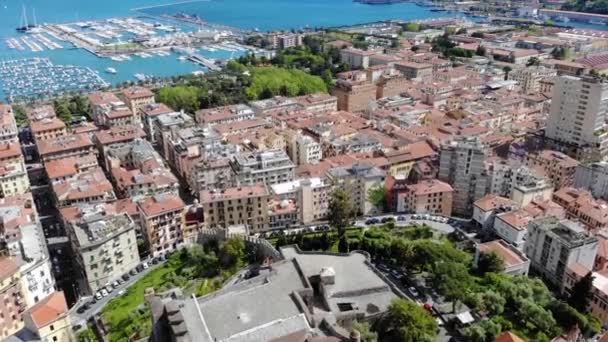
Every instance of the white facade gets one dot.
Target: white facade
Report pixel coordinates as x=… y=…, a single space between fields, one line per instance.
x=578 y=112
x=308 y=151
x=511 y=234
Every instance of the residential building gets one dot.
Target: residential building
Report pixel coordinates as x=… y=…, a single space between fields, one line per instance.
x=267 y=167
x=13 y=173
x=597 y=306
x=210 y=174
x=428 y=196
x=348 y=284
x=104 y=246
x=262 y=108
x=165 y=128
x=11 y=296
x=162 y=222
x=556 y=165
x=415 y=71
x=355 y=58
x=137 y=98
x=553 y=245
x=8 y=126
x=304 y=149
x=116 y=138
x=87 y=187
x=514 y=261
x=148 y=114
x=580 y=205
x=313 y=199
x=49 y=319
x=317 y=103
x=137 y=170
x=594 y=178
x=519 y=183
x=462 y=165
x=403 y=160
x=282 y=214
x=68 y=168
x=486 y=208
x=70 y=145
x=47 y=128
x=100 y=102
x=232 y=206
x=357 y=181
x=578 y=115
x=22 y=236
x=529 y=78
x=224 y=115
x=354 y=91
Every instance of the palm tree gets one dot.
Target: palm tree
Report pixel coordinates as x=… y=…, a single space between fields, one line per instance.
x=507 y=69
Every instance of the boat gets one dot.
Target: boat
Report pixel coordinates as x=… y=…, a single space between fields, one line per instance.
x=597 y=22
x=25 y=27
x=182 y=58
x=562 y=19
x=140 y=77
x=111 y=71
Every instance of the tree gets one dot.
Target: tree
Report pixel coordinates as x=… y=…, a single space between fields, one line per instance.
x=408 y=322
x=232 y=252
x=507 y=69
x=533 y=61
x=62 y=109
x=484 y=331
x=453 y=280
x=340 y=211
x=529 y=311
x=367 y=335
x=581 y=294
x=411 y=27
x=376 y=195
x=477 y=35
x=20 y=115
x=490 y=262
x=481 y=50
x=180 y=97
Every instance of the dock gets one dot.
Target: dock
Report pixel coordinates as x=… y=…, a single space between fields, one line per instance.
x=209 y=64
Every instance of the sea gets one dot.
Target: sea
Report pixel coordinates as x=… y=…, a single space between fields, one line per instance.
x=261 y=15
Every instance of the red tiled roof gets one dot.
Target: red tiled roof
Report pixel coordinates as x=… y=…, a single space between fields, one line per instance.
x=49 y=309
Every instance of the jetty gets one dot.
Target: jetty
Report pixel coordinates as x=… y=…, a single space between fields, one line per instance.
x=209 y=64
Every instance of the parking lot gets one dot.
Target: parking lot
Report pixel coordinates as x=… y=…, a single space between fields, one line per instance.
x=90 y=305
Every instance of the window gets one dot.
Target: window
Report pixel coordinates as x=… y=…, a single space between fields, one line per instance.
x=52 y=327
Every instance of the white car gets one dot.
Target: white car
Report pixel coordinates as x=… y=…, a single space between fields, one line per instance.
x=145 y=265
x=104 y=293
x=98 y=295
x=121 y=292
x=413 y=291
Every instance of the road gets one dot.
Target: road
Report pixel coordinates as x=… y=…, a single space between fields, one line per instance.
x=80 y=319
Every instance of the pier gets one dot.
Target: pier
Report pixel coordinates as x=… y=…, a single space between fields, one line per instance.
x=198 y=59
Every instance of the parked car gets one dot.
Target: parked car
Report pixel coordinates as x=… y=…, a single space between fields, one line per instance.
x=82 y=308
x=109 y=288
x=372 y=221
x=121 y=292
x=388 y=219
x=413 y=291
x=104 y=292
x=401 y=218
x=125 y=277
x=145 y=265
x=98 y=295
x=155 y=260
x=120 y=281
x=133 y=272
x=115 y=284
x=139 y=268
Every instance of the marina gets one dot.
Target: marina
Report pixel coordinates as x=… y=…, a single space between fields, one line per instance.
x=39 y=78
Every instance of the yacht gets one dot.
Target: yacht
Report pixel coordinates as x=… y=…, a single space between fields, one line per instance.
x=111 y=71
x=140 y=77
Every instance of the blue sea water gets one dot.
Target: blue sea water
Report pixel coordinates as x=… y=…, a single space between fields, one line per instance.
x=247 y=14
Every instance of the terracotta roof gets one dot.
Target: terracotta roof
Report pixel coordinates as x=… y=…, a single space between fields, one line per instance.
x=508 y=336
x=508 y=255
x=492 y=201
x=69 y=166
x=50 y=309
x=430 y=186
x=9 y=150
x=411 y=152
x=101 y=98
x=46 y=125
x=8 y=266
x=64 y=143
x=158 y=204
x=137 y=92
x=156 y=109
x=119 y=134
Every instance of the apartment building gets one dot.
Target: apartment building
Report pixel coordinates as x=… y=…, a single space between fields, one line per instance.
x=137 y=98
x=357 y=181
x=109 y=111
x=355 y=58
x=8 y=126
x=594 y=178
x=116 y=137
x=70 y=145
x=559 y=167
x=530 y=78
x=13 y=174
x=354 y=91
x=462 y=165
x=104 y=246
x=304 y=149
x=224 y=115
x=87 y=187
x=137 y=170
x=162 y=222
x=101 y=102
x=23 y=238
x=11 y=297
x=267 y=167
x=553 y=245
x=415 y=71
x=68 y=168
x=580 y=205
x=577 y=117
x=47 y=128
x=210 y=174
x=428 y=196
x=240 y=205
x=148 y=114
x=486 y=208
x=49 y=320
x=317 y=103
x=166 y=127
x=262 y=108
x=517 y=182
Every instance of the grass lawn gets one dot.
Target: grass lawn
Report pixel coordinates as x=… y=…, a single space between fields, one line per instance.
x=124 y=315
